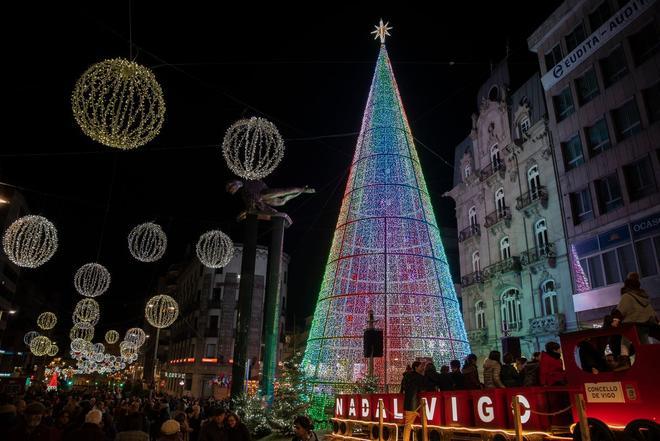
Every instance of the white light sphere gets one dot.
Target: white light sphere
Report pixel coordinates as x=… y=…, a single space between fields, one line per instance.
x=252 y=148
x=30 y=241
x=39 y=345
x=98 y=357
x=214 y=249
x=82 y=330
x=161 y=311
x=99 y=348
x=127 y=349
x=92 y=280
x=136 y=336
x=111 y=337
x=46 y=320
x=147 y=242
x=119 y=103
x=87 y=311
x=53 y=350
x=29 y=336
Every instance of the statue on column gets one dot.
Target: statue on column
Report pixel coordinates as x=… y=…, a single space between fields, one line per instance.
x=260 y=199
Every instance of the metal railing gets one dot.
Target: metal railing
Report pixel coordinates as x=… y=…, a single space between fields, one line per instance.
x=471 y=279
x=540 y=194
x=538 y=253
x=468 y=232
x=511 y=264
x=497 y=216
x=491 y=169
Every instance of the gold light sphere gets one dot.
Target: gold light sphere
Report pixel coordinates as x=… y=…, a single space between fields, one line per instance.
x=92 y=280
x=119 y=103
x=30 y=241
x=87 y=311
x=83 y=330
x=39 y=345
x=127 y=349
x=46 y=320
x=136 y=336
x=214 y=249
x=53 y=350
x=161 y=311
x=147 y=242
x=111 y=337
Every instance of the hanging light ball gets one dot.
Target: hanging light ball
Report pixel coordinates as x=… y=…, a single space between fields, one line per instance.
x=82 y=330
x=46 y=320
x=214 y=249
x=119 y=103
x=147 y=242
x=161 y=311
x=92 y=280
x=136 y=336
x=111 y=337
x=80 y=345
x=29 y=336
x=53 y=350
x=30 y=241
x=86 y=311
x=39 y=345
x=99 y=348
x=127 y=349
x=252 y=148
x=98 y=357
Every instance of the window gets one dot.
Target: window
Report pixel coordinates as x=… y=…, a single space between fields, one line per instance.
x=563 y=104
x=472 y=216
x=598 y=137
x=495 y=156
x=576 y=37
x=511 y=310
x=645 y=43
x=553 y=57
x=611 y=267
x=505 y=249
x=626 y=260
x=524 y=125
x=626 y=120
x=533 y=182
x=210 y=350
x=652 y=102
x=476 y=265
x=541 y=234
x=595 y=271
x=646 y=259
x=467 y=171
x=587 y=87
x=549 y=298
x=614 y=66
x=480 y=314
x=599 y=16
x=500 y=205
x=218 y=270
x=217 y=294
x=213 y=322
x=572 y=150
x=639 y=179
x=581 y=204
x=608 y=193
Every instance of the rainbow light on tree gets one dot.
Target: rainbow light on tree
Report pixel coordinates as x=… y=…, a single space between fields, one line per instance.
x=386 y=256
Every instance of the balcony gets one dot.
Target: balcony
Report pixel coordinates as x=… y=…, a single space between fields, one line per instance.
x=471 y=279
x=478 y=336
x=531 y=198
x=549 y=324
x=512 y=264
x=492 y=168
x=497 y=216
x=467 y=233
x=538 y=254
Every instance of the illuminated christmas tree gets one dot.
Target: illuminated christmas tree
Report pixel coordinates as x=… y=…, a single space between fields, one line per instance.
x=52 y=384
x=386 y=256
x=581 y=280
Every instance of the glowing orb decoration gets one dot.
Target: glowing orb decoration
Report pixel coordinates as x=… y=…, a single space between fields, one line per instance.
x=98 y=357
x=99 y=348
x=30 y=241
x=119 y=103
x=78 y=344
x=39 y=345
x=127 y=349
x=252 y=148
x=86 y=311
x=111 y=337
x=147 y=242
x=53 y=350
x=161 y=311
x=136 y=336
x=214 y=249
x=92 y=280
x=82 y=330
x=46 y=320
x=29 y=336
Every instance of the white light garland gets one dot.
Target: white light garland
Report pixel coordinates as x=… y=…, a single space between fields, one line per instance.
x=29 y=336
x=86 y=311
x=111 y=337
x=161 y=311
x=147 y=242
x=136 y=336
x=39 y=345
x=46 y=320
x=82 y=330
x=92 y=280
x=252 y=148
x=214 y=249
x=30 y=241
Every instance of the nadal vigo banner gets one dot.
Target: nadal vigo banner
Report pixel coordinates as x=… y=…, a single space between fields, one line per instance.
x=608 y=30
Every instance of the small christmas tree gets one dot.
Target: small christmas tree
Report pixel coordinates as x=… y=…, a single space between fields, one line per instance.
x=290 y=399
x=252 y=411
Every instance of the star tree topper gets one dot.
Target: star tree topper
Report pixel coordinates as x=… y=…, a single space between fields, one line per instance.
x=382 y=31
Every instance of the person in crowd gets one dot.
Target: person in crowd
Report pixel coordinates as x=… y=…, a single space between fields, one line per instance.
x=492 y=370
x=182 y=419
x=509 y=374
x=456 y=375
x=91 y=429
x=446 y=382
x=31 y=426
x=7 y=412
x=520 y=365
x=530 y=373
x=170 y=430
x=303 y=429
x=471 y=373
x=236 y=430
x=193 y=414
x=635 y=307
x=62 y=424
x=413 y=382
x=133 y=429
x=551 y=368
x=432 y=378
x=213 y=429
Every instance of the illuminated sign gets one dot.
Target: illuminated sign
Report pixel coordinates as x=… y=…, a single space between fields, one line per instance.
x=605 y=392
x=209 y=360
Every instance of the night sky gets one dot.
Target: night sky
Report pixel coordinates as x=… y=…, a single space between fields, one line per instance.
x=307 y=70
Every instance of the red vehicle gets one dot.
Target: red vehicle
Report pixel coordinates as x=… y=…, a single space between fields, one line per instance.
x=620 y=403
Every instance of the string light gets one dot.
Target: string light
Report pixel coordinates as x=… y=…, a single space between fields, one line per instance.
x=136 y=336
x=86 y=311
x=161 y=311
x=30 y=241
x=39 y=345
x=29 y=336
x=92 y=280
x=79 y=344
x=127 y=349
x=46 y=320
x=99 y=348
x=82 y=330
x=119 y=103
x=147 y=242
x=386 y=256
x=111 y=337
x=214 y=249
x=53 y=350
x=252 y=148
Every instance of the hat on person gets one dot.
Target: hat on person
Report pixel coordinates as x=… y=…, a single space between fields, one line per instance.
x=170 y=427
x=35 y=408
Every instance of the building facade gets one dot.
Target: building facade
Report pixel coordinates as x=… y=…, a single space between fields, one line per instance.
x=600 y=66
x=513 y=258
x=201 y=346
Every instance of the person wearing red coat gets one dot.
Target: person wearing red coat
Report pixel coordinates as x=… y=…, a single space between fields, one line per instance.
x=551 y=368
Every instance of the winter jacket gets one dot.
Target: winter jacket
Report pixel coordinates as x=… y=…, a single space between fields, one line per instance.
x=551 y=370
x=458 y=380
x=471 y=377
x=635 y=307
x=492 y=371
x=132 y=435
x=238 y=433
x=531 y=374
x=510 y=376
x=211 y=431
x=413 y=383
x=23 y=433
x=88 y=432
